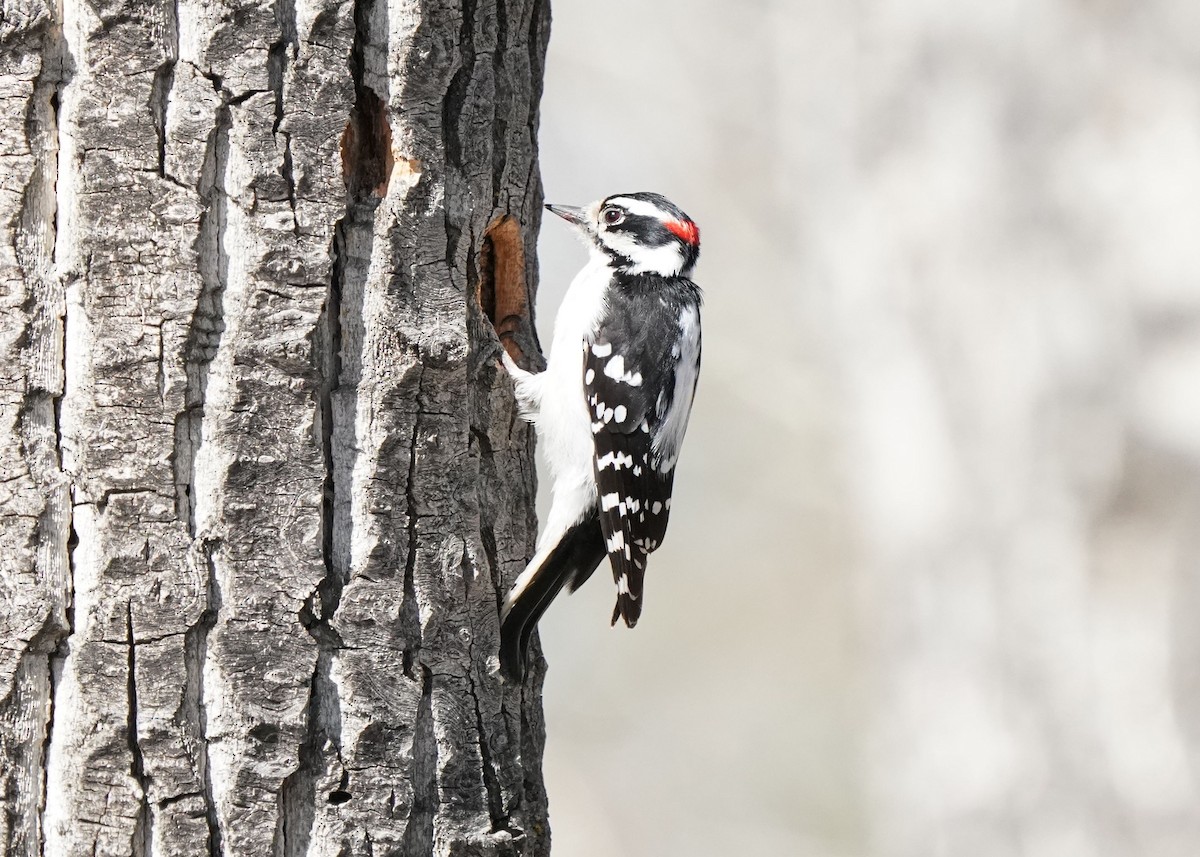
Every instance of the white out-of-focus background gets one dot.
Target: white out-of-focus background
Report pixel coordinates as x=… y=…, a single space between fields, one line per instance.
x=932 y=582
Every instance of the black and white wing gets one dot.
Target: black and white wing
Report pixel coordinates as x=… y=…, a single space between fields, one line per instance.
x=639 y=378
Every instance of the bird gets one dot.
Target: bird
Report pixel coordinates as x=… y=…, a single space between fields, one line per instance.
x=611 y=407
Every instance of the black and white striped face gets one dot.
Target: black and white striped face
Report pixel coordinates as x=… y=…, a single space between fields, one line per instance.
x=643 y=233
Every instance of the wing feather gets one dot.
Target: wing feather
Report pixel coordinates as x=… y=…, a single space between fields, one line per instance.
x=631 y=372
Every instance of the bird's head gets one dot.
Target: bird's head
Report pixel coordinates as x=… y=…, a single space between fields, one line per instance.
x=641 y=233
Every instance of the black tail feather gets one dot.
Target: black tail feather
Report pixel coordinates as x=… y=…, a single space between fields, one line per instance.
x=572 y=561
x=630 y=580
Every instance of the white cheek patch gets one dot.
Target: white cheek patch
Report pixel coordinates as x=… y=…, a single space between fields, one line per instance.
x=666 y=260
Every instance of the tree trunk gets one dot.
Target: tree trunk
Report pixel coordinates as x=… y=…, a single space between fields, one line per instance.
x=262 y=486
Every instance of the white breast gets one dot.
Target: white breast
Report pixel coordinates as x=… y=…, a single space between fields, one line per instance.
x=562 y=422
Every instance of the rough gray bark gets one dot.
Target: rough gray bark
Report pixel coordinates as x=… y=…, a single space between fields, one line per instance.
x=261 y=484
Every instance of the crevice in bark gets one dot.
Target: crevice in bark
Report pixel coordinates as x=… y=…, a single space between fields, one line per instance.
x=160 y=375
x=539 y=26
x=456 y=92
x=58 y=656
x=58 y=523
x=164 y=82
x=418 y=831
x=501 y=107
x=277 y=65
x=277 y=55
x=327 y=356
x=208 y=320
x=410 y=613
x=487 y=531
x=54 y=664
x=453 y=104
x=143 y=829
x=297 y=795
x=289 y=175
x=487 y=534
x=491 y=782
x=194 y=709
x=174 y=799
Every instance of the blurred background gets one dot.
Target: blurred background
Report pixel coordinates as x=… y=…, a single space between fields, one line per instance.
x=934 y=562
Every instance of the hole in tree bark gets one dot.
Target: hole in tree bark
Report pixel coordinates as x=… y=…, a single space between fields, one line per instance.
x=366 y=145
x=339 y=796
x=501 y=290
x=268 y=733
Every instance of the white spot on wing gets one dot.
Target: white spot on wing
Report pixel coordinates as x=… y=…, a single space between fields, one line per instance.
x=601 y=349
x=615 y=460
x=615 y=369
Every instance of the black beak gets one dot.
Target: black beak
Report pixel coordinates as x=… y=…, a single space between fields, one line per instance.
x=569 y=213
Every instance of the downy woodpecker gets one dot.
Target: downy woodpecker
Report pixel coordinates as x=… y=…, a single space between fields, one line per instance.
x=611 y=408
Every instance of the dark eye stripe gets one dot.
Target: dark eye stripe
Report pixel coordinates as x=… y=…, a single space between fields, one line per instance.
x=647 y=230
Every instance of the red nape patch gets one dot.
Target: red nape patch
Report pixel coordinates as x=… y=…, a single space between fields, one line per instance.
x=685 y=229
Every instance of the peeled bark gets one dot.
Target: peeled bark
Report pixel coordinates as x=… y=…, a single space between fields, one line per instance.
x=262 y=485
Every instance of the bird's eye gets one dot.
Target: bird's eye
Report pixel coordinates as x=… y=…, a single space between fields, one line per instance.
x=612 y=216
